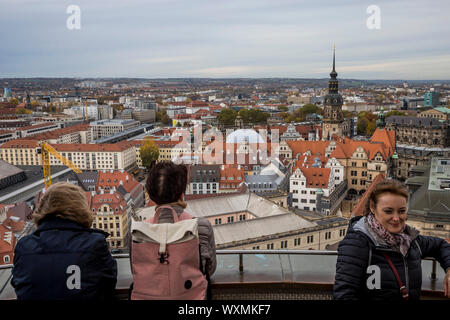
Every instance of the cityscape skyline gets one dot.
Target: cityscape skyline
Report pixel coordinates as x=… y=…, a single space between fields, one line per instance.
x=255 y=39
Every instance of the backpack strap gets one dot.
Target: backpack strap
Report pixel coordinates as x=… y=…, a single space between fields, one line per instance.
x=397 y=276
x=158 y=210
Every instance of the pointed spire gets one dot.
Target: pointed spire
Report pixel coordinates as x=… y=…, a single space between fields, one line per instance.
x=333 y=73
x=334 y=53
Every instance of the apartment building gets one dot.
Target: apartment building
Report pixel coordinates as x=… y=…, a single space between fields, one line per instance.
x=231 y=177
x=203 y=179
x=118 y=156
x=111 y=214
x=74 y=134
x=106 y=128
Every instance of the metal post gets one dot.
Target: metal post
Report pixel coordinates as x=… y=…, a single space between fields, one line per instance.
x=433 y=272
x=241 y=263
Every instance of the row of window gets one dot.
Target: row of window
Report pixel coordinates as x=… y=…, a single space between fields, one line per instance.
x=230 y=219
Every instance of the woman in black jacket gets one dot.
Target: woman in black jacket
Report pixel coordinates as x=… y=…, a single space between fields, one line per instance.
x=64 y=259
x=380 y=257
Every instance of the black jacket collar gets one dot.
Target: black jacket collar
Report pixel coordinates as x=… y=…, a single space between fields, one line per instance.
x=53 y=223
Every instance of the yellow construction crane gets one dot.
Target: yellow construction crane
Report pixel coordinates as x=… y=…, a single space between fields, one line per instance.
x=45 y=151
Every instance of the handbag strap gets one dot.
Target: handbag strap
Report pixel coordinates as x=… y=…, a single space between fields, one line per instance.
x=397 y=276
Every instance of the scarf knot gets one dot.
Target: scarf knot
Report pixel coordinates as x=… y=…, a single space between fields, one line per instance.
x=400 y=240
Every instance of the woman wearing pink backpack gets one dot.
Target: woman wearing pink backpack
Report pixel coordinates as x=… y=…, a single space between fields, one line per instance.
x=173 y=254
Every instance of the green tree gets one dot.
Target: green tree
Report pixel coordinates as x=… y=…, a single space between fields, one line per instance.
x=347 y=114
x=283 y=108
x=308 y=109
x=23 y=111
x=371 y=126
x=227 y=116
x=361 y=126
x=149 y=152
x=394 y=113
x=14 y=101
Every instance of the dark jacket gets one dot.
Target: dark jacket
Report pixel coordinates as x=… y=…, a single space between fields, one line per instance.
x=361 y=248
x=62 y=260
x=205 y=235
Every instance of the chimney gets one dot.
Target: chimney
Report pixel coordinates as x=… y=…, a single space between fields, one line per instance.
x=126 y=178
x=121 y=183
x=93 y=193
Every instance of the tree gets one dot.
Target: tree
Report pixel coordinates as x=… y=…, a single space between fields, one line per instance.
x=347 y=114
x=283 y=108
x=23 y=111
x=395 y=113
x=371 y=126
x=227 y=116
x=14 y=101
x=149 y=152
x=361 y=126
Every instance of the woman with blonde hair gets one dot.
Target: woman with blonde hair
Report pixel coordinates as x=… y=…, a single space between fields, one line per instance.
x=380 y=257
x=64 y=259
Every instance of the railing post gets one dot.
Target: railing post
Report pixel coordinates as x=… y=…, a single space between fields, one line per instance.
x=241 y=263
x=433 y=271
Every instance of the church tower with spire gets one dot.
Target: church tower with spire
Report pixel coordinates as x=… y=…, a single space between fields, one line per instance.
x=333 y=121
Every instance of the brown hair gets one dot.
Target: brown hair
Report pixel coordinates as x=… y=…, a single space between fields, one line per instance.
x=385 y=186
x=66 y=201
x=166 y=182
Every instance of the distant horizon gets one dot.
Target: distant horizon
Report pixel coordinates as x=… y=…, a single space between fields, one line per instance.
x=217 y=78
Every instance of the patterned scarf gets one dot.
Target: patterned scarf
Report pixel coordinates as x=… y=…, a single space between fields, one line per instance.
x=399 y=240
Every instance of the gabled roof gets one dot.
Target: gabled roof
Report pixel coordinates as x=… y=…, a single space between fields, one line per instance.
x=315 y=147
x=316 y=177
x=385 y=136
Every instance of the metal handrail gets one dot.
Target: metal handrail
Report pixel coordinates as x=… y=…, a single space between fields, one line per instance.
x=241 y=253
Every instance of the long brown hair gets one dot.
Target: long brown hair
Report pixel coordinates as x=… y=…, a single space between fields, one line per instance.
x=385 y=186
x=66 y=201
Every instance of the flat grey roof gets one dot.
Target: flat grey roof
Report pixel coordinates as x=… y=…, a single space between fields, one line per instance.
x=7 y=169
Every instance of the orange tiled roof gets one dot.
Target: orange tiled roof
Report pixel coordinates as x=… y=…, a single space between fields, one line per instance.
x=114 y=201
x=301 y=146
x=316 y=177
x=308 y=161
x=387 y=137
x=108 y=179
x=20 y=144
x=6 y=247
x=60 y=132
x=346 y=148
x=102 y=147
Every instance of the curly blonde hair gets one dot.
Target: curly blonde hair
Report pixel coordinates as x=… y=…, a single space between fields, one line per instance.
x=66 y=201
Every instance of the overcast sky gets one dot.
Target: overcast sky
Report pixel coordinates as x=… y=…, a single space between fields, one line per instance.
x=225 y=38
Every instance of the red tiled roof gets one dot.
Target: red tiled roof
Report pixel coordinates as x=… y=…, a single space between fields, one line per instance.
x=308 y=161
x=102 y=147
x=387 y=137
x=60 y=132
x=114 y=201
x=301 y=146
x=20 y=144
x=108 y=179
x=316 y=177
x=35 y=126
x=6 y=247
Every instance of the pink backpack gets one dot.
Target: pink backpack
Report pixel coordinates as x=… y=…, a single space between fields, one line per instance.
x=166 y=259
